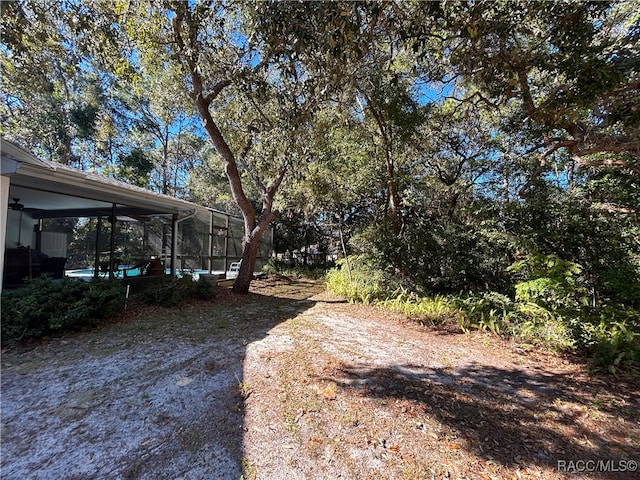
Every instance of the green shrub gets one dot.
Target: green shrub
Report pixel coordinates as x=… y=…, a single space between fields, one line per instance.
x=536 y=324
x=44 y=307
x=524 y=320
x=485 y=311
x=621 y=283
x=550 y=282
x=608 y=335
x=275 y=266
x=611 y=339
x=360 y=281
x=283 y=268
x=170 y=292
x=444 y=256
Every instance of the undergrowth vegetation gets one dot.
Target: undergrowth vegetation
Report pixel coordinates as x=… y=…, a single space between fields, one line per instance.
x=170 y=292
x=549 y=306
x=279 y=267
x=44 y=307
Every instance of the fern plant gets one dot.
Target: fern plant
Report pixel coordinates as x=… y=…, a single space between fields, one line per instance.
x=549 y=281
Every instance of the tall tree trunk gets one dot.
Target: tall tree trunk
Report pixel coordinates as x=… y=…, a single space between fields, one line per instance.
x=393 y=199
x=392 y=191
x=250 y=250
x=254 y=224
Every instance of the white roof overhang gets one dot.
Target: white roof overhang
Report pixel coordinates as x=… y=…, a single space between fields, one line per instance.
x=50 y=190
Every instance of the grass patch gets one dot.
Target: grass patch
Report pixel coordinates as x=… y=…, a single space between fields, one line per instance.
x=429 y=310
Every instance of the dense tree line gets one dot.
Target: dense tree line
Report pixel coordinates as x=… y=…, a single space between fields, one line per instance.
x=462 y=146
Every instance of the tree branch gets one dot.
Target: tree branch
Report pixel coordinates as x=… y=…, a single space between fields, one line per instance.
x=273 y=188
x=215 y=91
x=577 y=154
x=267 y=201
x=611 y=208
x=522 y=193
x=210 y=126
x=242 y=160
x=527 y=99
x=609 y=163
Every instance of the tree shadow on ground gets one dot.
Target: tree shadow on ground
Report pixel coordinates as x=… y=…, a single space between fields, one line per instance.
x=511 y=416
x=156 y=395
x=214 y=439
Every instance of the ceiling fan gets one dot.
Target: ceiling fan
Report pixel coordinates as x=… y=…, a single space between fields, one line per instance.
x=16 y=205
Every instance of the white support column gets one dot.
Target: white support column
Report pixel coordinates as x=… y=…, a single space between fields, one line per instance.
x=4 y=207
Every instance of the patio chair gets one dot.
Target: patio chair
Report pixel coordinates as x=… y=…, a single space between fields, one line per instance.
x=234 y=269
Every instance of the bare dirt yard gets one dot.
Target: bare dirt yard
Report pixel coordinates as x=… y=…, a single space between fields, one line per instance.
x=291 y=383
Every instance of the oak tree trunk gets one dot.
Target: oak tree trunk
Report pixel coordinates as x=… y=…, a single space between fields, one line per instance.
x=250 y=250
x=254 y=224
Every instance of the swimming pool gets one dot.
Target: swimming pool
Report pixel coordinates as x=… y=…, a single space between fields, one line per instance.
x=87 y=273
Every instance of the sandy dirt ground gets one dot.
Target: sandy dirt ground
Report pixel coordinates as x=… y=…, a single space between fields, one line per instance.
x=290 y=383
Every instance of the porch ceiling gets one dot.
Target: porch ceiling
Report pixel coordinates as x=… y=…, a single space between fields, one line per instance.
x=46 y=204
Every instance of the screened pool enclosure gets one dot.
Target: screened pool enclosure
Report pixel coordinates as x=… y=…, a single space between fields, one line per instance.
x=61 y=221
x=206 y=240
